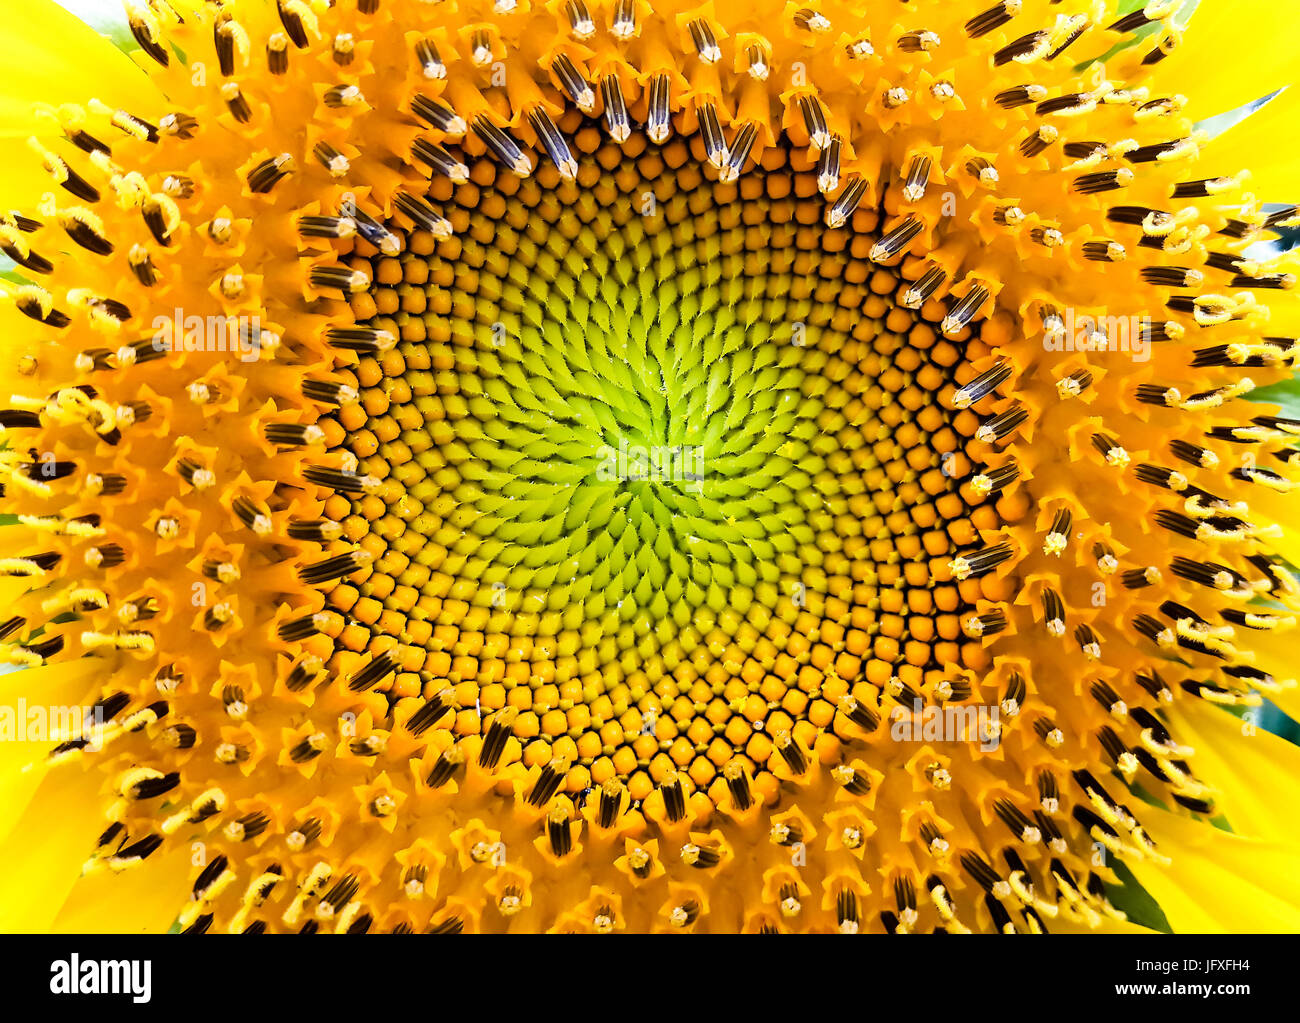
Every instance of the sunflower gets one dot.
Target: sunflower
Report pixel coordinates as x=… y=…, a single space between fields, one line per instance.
x=595 y=466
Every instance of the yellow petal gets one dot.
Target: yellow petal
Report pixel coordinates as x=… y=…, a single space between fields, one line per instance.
x=1107 y=926
x=62 y=60
x=26 y=180
x=56 y=58
x=1279 y=508
x=1233 y=52
x=47 y=848
x=1260 y=143
x=14 y=587
x=1255 y=774
x=1211 y=886
x=22 y=766
x=1275 y=653
x=142 y=900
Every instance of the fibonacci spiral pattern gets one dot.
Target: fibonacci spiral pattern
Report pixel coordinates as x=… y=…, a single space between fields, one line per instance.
x=633 y=417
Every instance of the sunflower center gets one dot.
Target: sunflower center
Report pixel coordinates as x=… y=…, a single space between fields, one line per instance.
x=666 y=441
